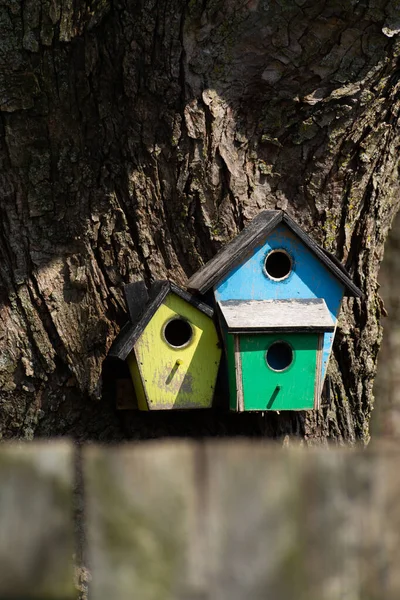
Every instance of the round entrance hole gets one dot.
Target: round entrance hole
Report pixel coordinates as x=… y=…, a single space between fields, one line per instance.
x=278 y=265
x=279 y=356
x=178 y=333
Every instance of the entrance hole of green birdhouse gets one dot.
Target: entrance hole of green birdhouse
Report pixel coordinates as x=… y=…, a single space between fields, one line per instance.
x=278 y=265
x=178 y=333
x=279 y=356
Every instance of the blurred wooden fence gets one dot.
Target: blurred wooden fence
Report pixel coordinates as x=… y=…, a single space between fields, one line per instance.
x=187 y=521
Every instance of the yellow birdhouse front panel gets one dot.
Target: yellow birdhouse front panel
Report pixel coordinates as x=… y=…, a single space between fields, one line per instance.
x=173 y=351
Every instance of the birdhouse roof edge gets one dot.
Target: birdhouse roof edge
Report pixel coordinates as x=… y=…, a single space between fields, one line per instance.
x=327 y=258
x=231 y=255
x=270 y=316
x=129 y=334
x=193 y=300
x=131 y=331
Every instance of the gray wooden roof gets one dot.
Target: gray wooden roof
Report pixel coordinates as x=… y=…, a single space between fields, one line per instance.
x=142 y=306
x=276 y=315
x=251 y=236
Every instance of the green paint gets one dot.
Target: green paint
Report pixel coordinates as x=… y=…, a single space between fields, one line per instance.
x=296 y=383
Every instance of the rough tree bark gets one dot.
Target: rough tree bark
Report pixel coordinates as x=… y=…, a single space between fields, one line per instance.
x=139 y=136
x=386 y=418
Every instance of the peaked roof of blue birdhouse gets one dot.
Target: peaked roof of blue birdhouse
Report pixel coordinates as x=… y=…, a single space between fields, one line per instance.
x=142 y=305
x=251 y=236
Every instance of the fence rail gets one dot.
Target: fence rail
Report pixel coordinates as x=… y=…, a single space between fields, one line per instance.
x=191 y=521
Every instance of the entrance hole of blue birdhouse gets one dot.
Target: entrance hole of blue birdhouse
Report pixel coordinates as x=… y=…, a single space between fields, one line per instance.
x=178 y=333
x=278 y=265
x=279 y=356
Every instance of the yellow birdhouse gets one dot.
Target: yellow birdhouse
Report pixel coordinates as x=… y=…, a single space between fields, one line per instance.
x=171 y=346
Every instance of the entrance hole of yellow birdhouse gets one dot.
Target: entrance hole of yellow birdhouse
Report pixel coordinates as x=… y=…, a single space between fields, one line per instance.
x=279 y=356
x=278 y=265
x=178 y=332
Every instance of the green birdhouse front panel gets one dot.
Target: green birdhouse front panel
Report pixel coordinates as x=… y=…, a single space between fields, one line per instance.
x=171 y=347
x=274 y=353
x=277 y=371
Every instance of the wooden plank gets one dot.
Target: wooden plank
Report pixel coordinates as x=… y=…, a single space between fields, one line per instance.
x=137 y=379
x=182 y=521
x=327 y=352
x=142 y=515
x=124 y=342
x=318 y=373
x=239 y=375
x=302 y=524
x=381 y=550
x=272 y=315
x=230 y=369
x=350 y=529
x=193 y=300
x=254 y=499
x=36 y=539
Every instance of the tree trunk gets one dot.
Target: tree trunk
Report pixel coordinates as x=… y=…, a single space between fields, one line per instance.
x=137 y=138
x=386 y=417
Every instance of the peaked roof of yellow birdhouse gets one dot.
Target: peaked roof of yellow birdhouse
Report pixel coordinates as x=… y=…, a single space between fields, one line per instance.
x=250 y=237
x=142 y=305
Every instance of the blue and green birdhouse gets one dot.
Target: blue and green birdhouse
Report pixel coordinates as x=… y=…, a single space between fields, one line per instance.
x=278 y=296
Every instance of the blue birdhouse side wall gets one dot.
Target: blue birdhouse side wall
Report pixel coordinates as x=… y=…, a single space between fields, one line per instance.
x=309 y=278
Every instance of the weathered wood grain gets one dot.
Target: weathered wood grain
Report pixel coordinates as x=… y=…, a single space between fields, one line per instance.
x=350 y=527
x=273 y=315
x=238 y=375
x=308 y=279
x=242 y=520
x=185 y=521
x=287 y=389
x=318 y=373
x=232 y=254
x=136 y=297
x=176 y=377
x=125 y=341
x=36 y=521
x=255 y=233
x=142 y=515
x=304 y=525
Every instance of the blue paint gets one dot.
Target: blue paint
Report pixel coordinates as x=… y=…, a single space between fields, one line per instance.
x=309 y=278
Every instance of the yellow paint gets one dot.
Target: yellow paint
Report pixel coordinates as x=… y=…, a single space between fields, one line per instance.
x=134 y=369
x=176 y=377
